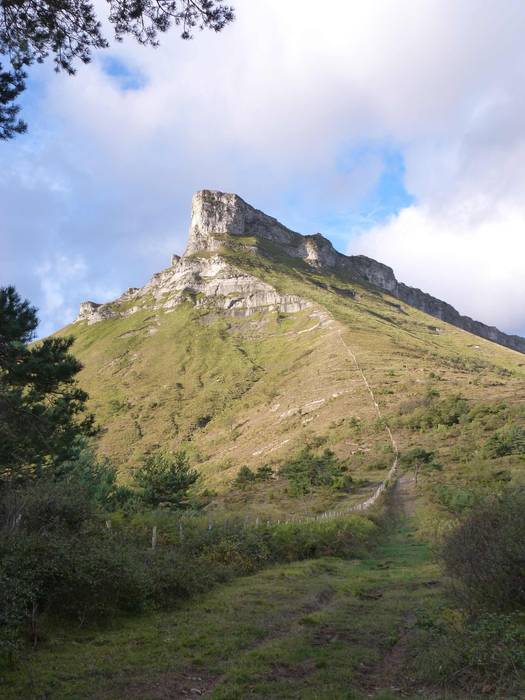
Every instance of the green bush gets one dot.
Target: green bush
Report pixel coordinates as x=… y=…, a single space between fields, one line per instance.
x=264 y=473
x=97 y=475
x=244 y=477
x=507 y=441
x=308 y=469
x=57 y=557
x=456 y=499
x=485 y=654
x=165 y=478
x=484 y=556
x=433 y=412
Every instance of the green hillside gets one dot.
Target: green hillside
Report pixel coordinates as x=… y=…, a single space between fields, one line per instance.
x=296 y=392
x=255 y=389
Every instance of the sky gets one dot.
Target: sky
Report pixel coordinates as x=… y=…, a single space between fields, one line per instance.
x=394 y=127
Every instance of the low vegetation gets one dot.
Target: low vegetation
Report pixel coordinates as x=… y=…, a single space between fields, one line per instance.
x=308 y=469
x=62 y=558
x=475 y=638
x=123 y=546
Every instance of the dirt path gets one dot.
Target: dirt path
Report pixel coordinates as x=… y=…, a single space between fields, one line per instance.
x=388 y=672
x=402 y=499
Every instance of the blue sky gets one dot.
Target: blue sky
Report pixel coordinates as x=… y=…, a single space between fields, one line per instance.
x=396 y=129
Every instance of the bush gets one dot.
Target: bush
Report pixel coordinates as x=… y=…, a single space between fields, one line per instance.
x=97 y=475
x=456 y=499
x=508 y=441
x=434 y=412
x=244 y=477
x=57 y=557
x=308 y=469
x=165 y=479
x=264 y=473
x=484 y=554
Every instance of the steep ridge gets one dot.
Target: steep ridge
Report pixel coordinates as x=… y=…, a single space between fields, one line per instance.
x=219 y=214
x=233 y=353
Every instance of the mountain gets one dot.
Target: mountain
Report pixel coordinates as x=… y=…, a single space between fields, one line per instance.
x=259 y=340
x=300 y=383
x=216 y=214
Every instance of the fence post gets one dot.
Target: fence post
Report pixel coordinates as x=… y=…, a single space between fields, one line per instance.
x=154 y=537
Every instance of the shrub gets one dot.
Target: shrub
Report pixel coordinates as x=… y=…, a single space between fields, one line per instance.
x=484 y=554
x=481 y=655
x=508 y=441
x=308 y=469
x=97 y=475
x=60 y=559
x=434 y=412
x=418 y=458
x=165 y=479
x=264 y=473
x=56 y=557
x=456 y=499
x=244 y=477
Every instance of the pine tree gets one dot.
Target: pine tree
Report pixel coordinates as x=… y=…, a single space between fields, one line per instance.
x=42 y=409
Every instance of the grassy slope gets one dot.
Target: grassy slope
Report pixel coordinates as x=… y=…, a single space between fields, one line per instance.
x=238 y=391
x=317 y=629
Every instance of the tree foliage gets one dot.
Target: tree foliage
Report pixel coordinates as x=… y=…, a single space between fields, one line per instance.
x=70 y=30
x=42 y=410
x=484 y=555
x=11 y=85
x=165 y=479
x=308 y=469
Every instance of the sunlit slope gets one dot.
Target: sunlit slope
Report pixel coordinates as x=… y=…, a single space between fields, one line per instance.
x=252 y=390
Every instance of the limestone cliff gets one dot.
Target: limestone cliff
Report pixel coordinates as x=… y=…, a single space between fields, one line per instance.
x=219 y=213
x=203 y=275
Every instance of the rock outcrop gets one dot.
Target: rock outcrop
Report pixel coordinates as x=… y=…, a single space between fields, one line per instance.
x=204 y=276
x=219 y=213
x=92 y=313
x=201 y=275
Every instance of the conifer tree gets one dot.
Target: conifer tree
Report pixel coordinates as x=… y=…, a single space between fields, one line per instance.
x=42 y=409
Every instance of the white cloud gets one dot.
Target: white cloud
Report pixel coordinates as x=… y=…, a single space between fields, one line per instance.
x=479 y=264
x=266 y=109
x=56 y=276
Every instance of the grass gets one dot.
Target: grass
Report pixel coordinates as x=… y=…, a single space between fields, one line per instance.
x=305 y=630
x=269 y=384
x=315 y=629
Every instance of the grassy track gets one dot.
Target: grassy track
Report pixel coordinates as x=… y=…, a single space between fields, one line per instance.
x=326 y=628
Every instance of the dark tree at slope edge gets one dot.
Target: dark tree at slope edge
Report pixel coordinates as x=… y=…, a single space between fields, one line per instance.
x=69 y=30
x=42 y=410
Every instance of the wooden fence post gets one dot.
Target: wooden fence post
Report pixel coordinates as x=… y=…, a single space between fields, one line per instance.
x=154 y=537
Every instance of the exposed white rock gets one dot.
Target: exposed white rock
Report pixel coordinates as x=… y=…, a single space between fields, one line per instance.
x=202 y=275
x=214 y=213
x=92 y=313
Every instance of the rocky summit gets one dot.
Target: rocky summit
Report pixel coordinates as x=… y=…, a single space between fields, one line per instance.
x=204 y=274
x=244 y=348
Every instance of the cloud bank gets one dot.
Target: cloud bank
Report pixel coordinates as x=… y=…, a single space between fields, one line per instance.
x=396 y=128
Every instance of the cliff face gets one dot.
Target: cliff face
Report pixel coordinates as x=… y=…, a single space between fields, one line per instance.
x=202 y=273
x=215 y=212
